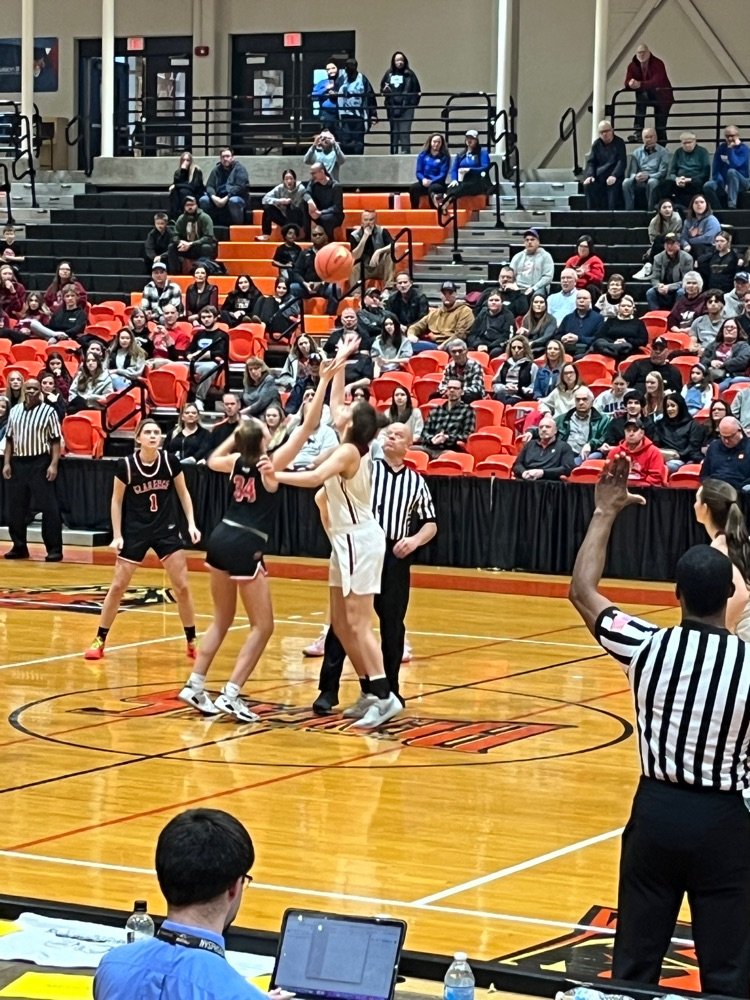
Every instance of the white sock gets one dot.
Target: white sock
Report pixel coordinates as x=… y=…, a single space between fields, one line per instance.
x=231 y=690
x=197 y=682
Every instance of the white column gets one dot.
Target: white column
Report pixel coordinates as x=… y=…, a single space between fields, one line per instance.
x=601 y=25
x=504 y=50
x=27 y=61
x=108 y=78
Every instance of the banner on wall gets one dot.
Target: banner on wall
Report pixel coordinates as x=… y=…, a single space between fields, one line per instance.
x=46 y=54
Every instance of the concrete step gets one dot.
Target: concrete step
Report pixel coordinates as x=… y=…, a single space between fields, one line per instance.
x=85 y=538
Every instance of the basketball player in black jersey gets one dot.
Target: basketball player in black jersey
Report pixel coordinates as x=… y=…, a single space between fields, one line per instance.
x=144 y=516
x=234 y=553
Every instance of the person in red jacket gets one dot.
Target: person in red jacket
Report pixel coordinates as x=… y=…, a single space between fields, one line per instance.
x=588 y=267
x=12 y=292
x=647 y=76
x=647 y=466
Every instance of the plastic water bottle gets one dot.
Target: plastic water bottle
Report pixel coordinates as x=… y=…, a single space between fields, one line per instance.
x=459 y=979
x=139 y=924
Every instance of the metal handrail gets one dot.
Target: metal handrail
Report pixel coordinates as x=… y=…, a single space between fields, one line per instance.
x=25 y=148
x=408 y=254
x=710 y=108
x=139 y=407
x=511 y=157
x=444 y=218
x=568 y=117
x=200 y=356
x=5 y=187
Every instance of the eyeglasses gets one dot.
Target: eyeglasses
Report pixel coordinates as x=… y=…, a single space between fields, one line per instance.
x=247 y=878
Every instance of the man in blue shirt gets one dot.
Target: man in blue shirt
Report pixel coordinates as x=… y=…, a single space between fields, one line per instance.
x=203 y=857
x=730 y=171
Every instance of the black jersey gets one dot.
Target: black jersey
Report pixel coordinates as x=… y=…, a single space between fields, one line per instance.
x=251 y=505
x=149 y=504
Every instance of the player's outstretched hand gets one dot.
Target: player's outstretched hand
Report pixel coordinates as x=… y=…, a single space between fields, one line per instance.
x=611 y=494
x=266 y=469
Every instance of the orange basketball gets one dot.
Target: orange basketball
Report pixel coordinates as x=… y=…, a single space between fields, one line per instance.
x=334 y=262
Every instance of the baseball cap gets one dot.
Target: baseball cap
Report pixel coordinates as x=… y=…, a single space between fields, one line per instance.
x=660 y=343
x=671 y=238
x=742 y=276
x=472 y=132
x=532 y=232
x=158 y=266
x=190 y=198
x=634 y=422
x=448 y=286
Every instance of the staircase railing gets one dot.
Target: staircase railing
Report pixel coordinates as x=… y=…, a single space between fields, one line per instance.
x=5 y=187
x=138 y=408
x=511 y=168
x=568 y=129
x=25 y=149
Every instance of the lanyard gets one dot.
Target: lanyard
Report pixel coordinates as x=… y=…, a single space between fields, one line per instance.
x=183 y=940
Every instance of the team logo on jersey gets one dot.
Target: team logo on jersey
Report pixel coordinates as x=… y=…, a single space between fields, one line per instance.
x=85 y=600
x=586 y=954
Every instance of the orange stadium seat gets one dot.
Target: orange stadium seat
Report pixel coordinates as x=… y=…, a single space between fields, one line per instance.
x=427 y=363
x=425 y=386
x=655 y=323
x=168 y=386
x=417 y=460
x=83 y=434
x=126 y=408
x=451 y=463
x=383 y=387
x=587 y=472
x=499 y=466
x=490 y=441
x=488 y=412
x=687 y=477
x=29 y=350
x=245 y=343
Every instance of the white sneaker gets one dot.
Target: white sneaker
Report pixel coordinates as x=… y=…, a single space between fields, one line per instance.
x=198 y=699
x=645 y=272
x=317 y=648
x=379 y=713
x=235 y=707
x=360 y=707
x=407 y=654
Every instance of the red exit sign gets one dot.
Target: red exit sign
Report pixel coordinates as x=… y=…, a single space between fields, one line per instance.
x=136 y=44
x=292 y=39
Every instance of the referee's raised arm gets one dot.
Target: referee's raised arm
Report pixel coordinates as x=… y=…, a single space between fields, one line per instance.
x=611 y=496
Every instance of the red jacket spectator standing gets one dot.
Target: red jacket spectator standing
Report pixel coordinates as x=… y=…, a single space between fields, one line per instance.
x=647 y=466
x=647 y=76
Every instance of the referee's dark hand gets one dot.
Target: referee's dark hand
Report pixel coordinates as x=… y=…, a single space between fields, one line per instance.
x=611 y=494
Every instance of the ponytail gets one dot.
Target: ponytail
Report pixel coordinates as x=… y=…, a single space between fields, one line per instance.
x=738 y=540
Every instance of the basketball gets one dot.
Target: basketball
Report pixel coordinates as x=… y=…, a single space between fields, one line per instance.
x=334 y=262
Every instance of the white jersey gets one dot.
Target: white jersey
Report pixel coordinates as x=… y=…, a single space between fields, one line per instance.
x=350 y=500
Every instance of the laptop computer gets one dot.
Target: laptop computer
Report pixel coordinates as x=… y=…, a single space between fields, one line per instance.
x=329 y=956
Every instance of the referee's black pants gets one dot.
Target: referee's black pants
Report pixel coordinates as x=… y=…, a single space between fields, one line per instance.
x=29 y=490
x=681 y=840
x=390 y=606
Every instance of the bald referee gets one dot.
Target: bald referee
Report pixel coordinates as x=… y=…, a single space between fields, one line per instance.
x=689 y=830
x=403 y=507
x=32 y=453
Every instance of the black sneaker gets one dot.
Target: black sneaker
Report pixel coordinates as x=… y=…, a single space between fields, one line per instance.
x=325 y=703
x=53 y=557
x=15 y=553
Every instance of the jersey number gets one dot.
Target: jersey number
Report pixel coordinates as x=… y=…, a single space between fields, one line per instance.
x=244 y=489
x=153 y=502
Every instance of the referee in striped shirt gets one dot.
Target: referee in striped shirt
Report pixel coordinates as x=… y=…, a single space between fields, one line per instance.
x=32 y=453
x=689 y=829
x=403 y=507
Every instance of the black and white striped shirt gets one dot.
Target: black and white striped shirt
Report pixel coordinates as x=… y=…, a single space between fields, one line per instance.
x=399 y=498
x=33 y=430
x=692 y=698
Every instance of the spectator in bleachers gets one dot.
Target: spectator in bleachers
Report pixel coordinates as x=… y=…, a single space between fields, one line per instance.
x=296 y=364
x=559 y=304
x=324 y=99
x=91 y=385
x=125 y=360
x=622 y=334
x=647 y=77
x=391 y=348
x=533 y=266
x=717 y=410
x=562 y=397
x=513 y=379
x=68 y=321
x=326 y=150
x=605 y=170
x=169 y=338
x=156 y=245
x=308 y=378
x=33 y=309
x=283 y=204
x=612 y=400
x=451 y=319
x=280 y=312
x=466 y=369
x=138 y=326
x=657 y=361
x=697 y=392
x=56 y=367
x=665 y=221
x=359 y=367
x=403 y=411
x=371 y=248
x=538 y=325
x=730 y=170
x=193 y=237
x=258 y=388
x=689 y=305
x=241 y=304
x=12 y=292
x=227 y=189
x=322 y=438
x=728 y=455
x=608 y=303
x=583 y=426
x=647 y=168
x=469 y=173
x=668 y=273
x=719 y=268
x=704 y=328
x=357 y=107
x=588 y=266
x=580 y=329
x=207 y=353
x=653 y=405
x=433 y=166
x=286 y=255
x=276 y=421
x=406 y=302
x=198 y=294
x=733 y=301
x=11 y=251
x=728 y=358
x=448 y=426
x=514 y=299
x=689 y=169
x=187 y=180
x=15 y=391
x=741 y=408
x=189 y=441
x=492 y=327
x=51 y=396
x=677 y=435
x=160 y=292
x=647 y=466
x=401 y=87
x=53 y=296
x=544 y=456
x=324 y=198
x=228 y=424
x=547 y=374
x=700 y=228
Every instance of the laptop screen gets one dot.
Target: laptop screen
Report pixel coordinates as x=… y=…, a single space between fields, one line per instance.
x=338 y=957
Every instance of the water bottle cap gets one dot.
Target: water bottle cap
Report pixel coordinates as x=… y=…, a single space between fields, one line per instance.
x=140 y=906
x=460 y=956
